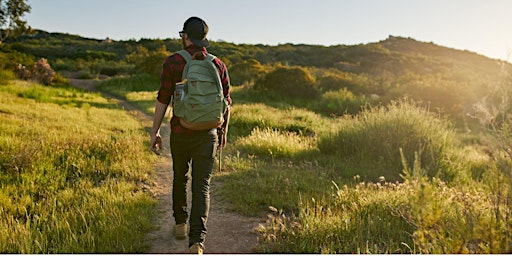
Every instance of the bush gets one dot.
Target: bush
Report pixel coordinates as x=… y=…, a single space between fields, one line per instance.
x=42 y=72
x=246 y=72
x=376 y=136
x=341 y=101
x=6 y=76
x=337 y=82
x=66 y=64
x=22 y=72
x=289 y=82
x=149 y=62
x=10 y=59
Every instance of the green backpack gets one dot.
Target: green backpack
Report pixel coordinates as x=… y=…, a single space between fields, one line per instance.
x=198 y=99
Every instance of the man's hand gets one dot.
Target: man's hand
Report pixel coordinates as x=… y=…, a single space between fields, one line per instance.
x=156 y=144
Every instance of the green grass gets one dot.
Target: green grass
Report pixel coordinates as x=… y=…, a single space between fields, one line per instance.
x=328 y=184
x=73 y=167
x=141 y=90
x=293 y=174
x=376 y=136
x=350 y=219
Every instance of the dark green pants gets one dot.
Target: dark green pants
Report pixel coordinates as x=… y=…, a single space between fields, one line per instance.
x=196 y=150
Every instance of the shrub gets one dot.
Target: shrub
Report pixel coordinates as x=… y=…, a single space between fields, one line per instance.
x=146 y=61
x=22 y=72
x=10 y=59
x=337 y=82
x=246 y=72
x=66 y=64
x=42 y=72
x=376 y=135
x=6 y=76
x=341 y=101
x=289 y=82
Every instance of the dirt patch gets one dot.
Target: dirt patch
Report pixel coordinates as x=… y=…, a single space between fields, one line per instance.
x=228 y=232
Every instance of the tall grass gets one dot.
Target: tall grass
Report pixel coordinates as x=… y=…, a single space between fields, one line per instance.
x=246 y=117
x=348 y=219
x=274 y=143
x=376 y=135
x=74 y=173
x=6 y=76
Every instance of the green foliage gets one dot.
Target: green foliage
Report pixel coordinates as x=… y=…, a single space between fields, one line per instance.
x=139 y=89
x=246 y=117
x=254 y=184
x=444 y=94
x=67 y=64
x=273 y=143
x=121 y=86
x=335 y=82
x=109 y=68
x=146 y=61
x=457 y=219
x=6 y=76
x=376 y=135
x=341 y=102
x=11 y=14
x=351 y=219
x=9 y=59
x=287 y=82
x=73 y=182
x=246 y=72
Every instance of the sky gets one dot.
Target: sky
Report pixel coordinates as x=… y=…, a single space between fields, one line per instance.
x=480 y=26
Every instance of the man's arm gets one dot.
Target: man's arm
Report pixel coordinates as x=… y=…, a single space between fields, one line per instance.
x=156 y=140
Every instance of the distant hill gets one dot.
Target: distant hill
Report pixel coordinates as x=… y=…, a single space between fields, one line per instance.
x=394 y=55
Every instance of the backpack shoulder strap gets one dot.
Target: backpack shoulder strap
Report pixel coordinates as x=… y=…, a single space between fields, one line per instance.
x=185 y=54
x=188 y=58
x=210 y=58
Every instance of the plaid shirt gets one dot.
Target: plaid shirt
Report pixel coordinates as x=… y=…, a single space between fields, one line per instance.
x=171 y=74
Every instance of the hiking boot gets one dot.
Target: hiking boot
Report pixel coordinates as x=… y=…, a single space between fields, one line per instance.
x=180 y=231
x=196 y=249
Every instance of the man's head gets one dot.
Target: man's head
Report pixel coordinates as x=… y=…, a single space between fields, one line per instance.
x=195 y=30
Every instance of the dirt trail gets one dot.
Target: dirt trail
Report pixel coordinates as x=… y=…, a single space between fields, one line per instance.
x=228 y=232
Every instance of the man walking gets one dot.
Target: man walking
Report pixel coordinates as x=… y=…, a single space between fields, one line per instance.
x=190 y=147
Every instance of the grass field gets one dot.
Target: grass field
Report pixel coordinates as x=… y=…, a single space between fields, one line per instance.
x=392 y=179
x=74 y=168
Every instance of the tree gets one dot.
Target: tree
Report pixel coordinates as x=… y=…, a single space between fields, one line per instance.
x=11 y=13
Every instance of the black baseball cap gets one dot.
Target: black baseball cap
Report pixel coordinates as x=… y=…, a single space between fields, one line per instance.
x=196 y=30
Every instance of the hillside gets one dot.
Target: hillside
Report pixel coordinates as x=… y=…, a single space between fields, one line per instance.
x=446 y=79
x=394 y=55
